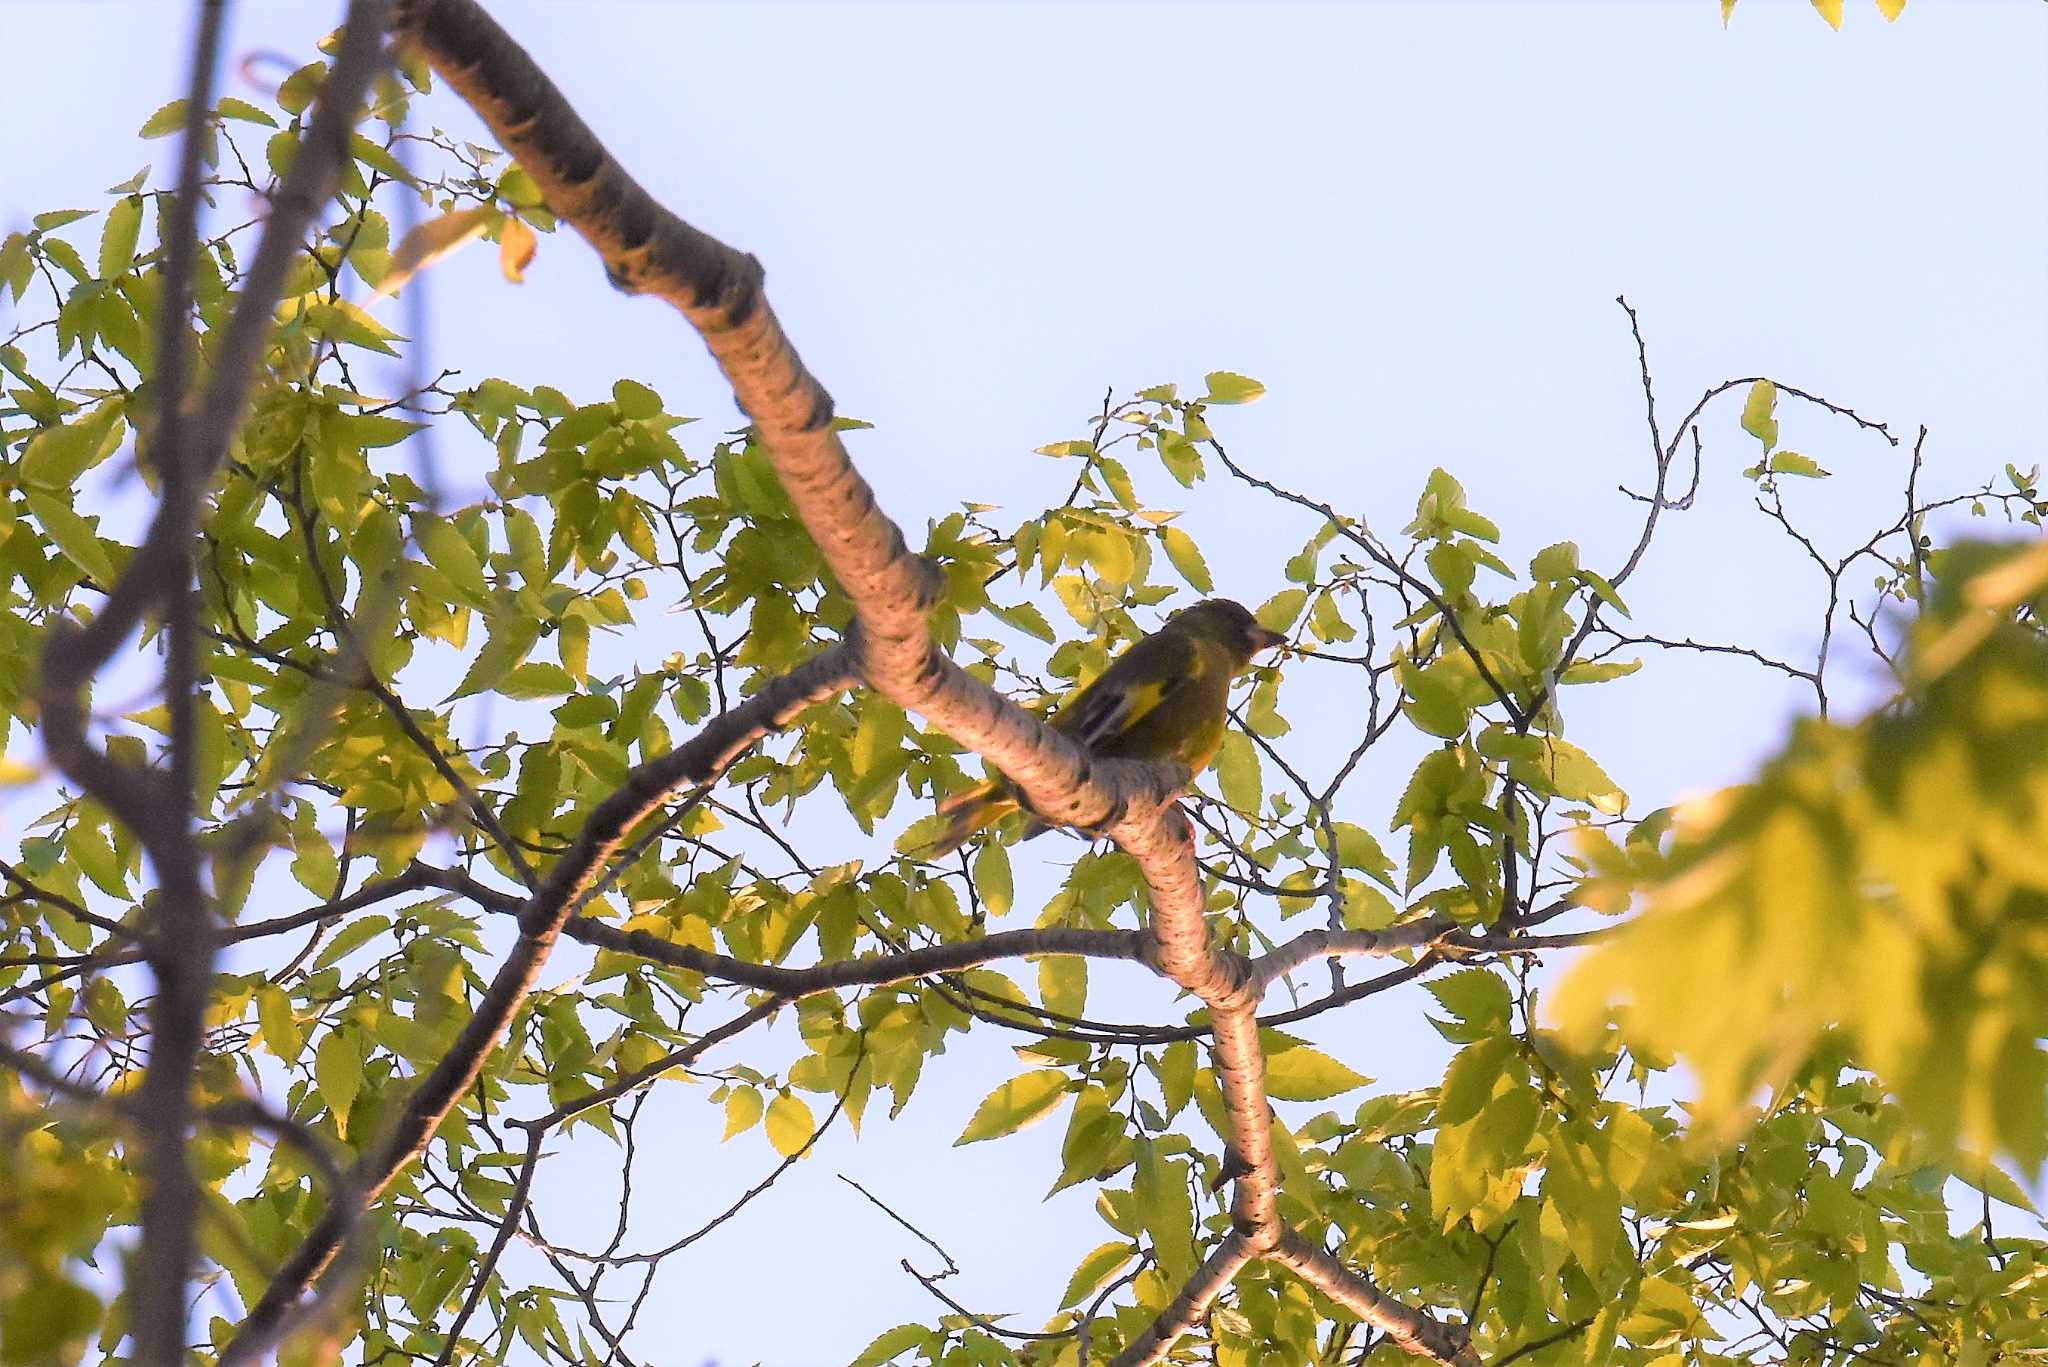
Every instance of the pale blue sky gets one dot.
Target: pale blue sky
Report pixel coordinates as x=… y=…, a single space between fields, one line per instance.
x=1409 y=220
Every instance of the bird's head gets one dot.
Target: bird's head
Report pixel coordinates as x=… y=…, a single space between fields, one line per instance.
x=1231 y=623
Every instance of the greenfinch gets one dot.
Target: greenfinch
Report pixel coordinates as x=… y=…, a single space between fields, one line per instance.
x=1166 y=697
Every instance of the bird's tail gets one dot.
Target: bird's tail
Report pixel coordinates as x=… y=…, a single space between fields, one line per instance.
x=974 y=810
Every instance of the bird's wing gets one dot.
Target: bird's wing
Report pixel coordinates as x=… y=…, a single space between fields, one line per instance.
x=1138 y=681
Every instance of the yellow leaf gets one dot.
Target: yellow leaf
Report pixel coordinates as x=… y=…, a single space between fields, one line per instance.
x=431 y=241
x=1891 y=9
x=1727 y=9
x=790 y=1127
x=516 y=246
x=1830 y=10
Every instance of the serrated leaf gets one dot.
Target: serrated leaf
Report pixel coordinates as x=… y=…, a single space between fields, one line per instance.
x=73 y=535
x=1305 y=1073
x=1599 y=672
x=743 y=1110
x=1019 y=1102
x=166 y=121
x=1095 y=1271
x=1564 y=770
x=1792 y=463
x=1187 y=558
x=118 y=237
x=275 y=1024
x=1063 y=983
x=788 y=1124
x=1238 y=774
x=1757 y=413
x=1177 y=1075
x=1555 y=562
x=1166 y=1209
x=1470 y=1079
x=1279 y=612
x=449 y=551
x=878 y=739
x=231 y=108
x=1474 y=996
x=338 y=1073
x=1026 y=618
x=1228 y=387
x=992 y=879
x=352 y=937
x=893 y=1343
x=57 y=456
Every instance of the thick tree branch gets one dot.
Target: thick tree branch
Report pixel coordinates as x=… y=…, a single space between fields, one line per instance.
x=1411 y=1329
x=648 y=250
x=1187 y=1308
x=189 y=444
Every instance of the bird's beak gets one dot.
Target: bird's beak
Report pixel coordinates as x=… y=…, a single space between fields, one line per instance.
x=1263 y=639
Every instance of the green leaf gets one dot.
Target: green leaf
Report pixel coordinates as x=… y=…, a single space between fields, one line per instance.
x=789 y=1124
x=166 y=121
x=279 y=1031
x=1177 y=1075
x=893 y=1343
x=1471 y=1078
x=878 y=739
x=1476 y=997
x=45 y=1318
x=1095 y=1271
x=1303 y=1073
x=1792 y=463
x=347 y=322
x=510 y=640
x=53 y=219
x=1993 y=1181
x=1063 y=983
x=231 y=108
x=1017 y=1103
x=1602 y=590
x=118 y=237
x=1166 y=1209
x=58 y=456
x=1228 y=387
x=352 y=937
x=449 y=551
x=1026 y=618
x=1556 y=562
x=17 y=265
x=1564 y=770
x=1187 y=558
x=1238 y=773
x=1600 y=672
x=1757 y=413
x=73 y=535
x=338 y=1073
x=992 y=878
x=1279 y=612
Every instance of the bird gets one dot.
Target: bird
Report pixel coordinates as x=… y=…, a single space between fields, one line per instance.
x=1165 y=697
